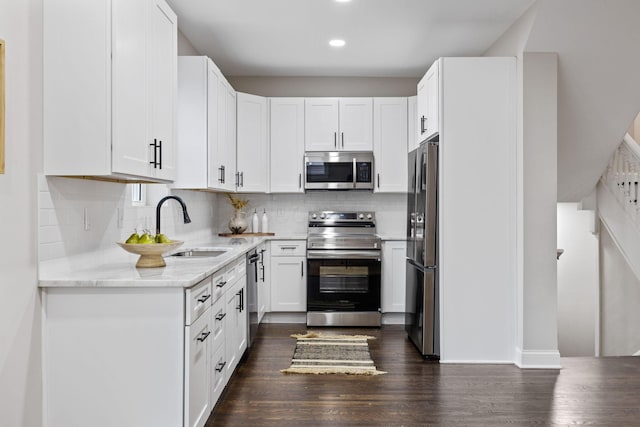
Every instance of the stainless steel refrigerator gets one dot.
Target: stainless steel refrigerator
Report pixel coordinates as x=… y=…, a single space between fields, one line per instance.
x=421 y=317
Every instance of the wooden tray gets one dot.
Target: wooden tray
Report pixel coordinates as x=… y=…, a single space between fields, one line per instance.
x=245 y=234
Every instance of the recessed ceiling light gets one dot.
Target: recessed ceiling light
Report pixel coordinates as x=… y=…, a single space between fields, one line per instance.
x=337 y=42
x=343 y=1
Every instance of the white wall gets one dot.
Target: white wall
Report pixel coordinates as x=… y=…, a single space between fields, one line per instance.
x=577 y=281
x=185 y=48
x=620 y=299
x=598 y=91
x=20 y=348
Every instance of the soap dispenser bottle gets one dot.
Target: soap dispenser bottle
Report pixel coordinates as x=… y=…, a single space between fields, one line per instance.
x=254 y=221
x=265 y=222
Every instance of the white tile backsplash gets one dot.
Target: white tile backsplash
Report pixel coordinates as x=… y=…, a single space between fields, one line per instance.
x=62 y=203
x=288 y=213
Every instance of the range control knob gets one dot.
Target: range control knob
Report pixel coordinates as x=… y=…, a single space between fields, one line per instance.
x=322 y=216
x=361 y=216
x=369 y=216
x=314 y=216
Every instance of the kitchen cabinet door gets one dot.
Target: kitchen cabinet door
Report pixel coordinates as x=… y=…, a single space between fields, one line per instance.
x=252 y=144
x=264 y=280
x=236 y=326
x=197 y=123
x=288 y=284
x=433 y=100
x=112 y=113
x=356 y=124
x=227 y=135
x=390 y=144
x=394 y=276
x=163 y=52
x=412 y=130
x=197 y=378
x=286 y=152
x=321 y=124
x=421 y=108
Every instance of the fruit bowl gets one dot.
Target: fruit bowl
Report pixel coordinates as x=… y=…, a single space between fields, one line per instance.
x=150 y=253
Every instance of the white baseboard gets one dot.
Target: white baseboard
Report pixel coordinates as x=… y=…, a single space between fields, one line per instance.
x=538 y=359
x=476 y=362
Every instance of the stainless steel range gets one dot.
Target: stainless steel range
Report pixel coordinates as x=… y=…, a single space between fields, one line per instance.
x=343 y=265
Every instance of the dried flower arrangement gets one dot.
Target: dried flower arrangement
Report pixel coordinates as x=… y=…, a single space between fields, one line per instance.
x=237 y=203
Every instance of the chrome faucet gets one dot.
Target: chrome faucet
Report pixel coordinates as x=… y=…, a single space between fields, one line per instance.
x=185 y=214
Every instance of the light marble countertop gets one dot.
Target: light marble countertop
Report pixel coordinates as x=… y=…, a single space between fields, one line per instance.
x=179 y=272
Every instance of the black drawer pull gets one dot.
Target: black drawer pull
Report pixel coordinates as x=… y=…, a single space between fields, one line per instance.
x=204 y=336
x=220 y=366
x=221 y=284
x=204 y=298
x=220 y=316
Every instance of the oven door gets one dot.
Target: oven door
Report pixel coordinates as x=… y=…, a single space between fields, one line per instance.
x=343 y=281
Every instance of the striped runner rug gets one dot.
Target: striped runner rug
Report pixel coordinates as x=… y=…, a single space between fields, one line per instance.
x=332 y=354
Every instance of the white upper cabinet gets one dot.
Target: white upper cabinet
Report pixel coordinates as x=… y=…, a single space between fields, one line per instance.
x=110 y=89
x=206 y=126
x=429 y=103
x=390 y=144
x=252 y=144
x=412 y=130
x=286 y=144
x=334 y=124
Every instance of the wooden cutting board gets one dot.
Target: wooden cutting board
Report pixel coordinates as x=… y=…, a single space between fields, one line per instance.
x=246 y=234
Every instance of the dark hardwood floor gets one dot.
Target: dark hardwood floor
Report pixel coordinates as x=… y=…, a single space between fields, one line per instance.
x=414 y=392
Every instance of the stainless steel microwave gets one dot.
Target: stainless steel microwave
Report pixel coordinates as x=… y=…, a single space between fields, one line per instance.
x=338 y=170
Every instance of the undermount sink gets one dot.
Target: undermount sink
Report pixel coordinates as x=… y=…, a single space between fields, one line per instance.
x=199 y=253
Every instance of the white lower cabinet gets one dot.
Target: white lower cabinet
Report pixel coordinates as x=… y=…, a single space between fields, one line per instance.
x=394 y=273
x=198 y=361
x=288 y=276
x=168 y=349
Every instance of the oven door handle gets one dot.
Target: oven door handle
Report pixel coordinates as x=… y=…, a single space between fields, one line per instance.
x=343 y=254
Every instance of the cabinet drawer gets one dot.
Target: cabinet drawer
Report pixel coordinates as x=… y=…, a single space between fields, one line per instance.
x=218 y=285
x=219 y=379
x=288 y=248
x=219 y=315
x=198 y=299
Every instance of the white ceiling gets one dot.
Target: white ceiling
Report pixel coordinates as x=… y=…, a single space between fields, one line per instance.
x=385 y=38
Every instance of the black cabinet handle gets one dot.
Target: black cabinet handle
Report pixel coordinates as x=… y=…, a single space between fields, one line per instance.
x=220 y=366
x=378 y=180
x=423 y=129
x=342 y=135
x=241 y=179
x=224 y=174
x=220 y=316
x=204 y=298
x=299 y=180
x=204 y=336
x=155 y=153
x=335 y=140
x=301 y=268
x=239 y=306
x=221 y=284
x=160 y=154
x=262 y=267
x=221 y=177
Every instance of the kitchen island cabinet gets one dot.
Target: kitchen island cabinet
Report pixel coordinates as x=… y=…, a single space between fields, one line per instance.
x=109 y=89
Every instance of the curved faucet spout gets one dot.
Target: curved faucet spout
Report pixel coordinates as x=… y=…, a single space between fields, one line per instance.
x=185 y=214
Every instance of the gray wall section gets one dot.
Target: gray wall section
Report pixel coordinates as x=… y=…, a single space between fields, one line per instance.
x=619 y=296
x=325 y=86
